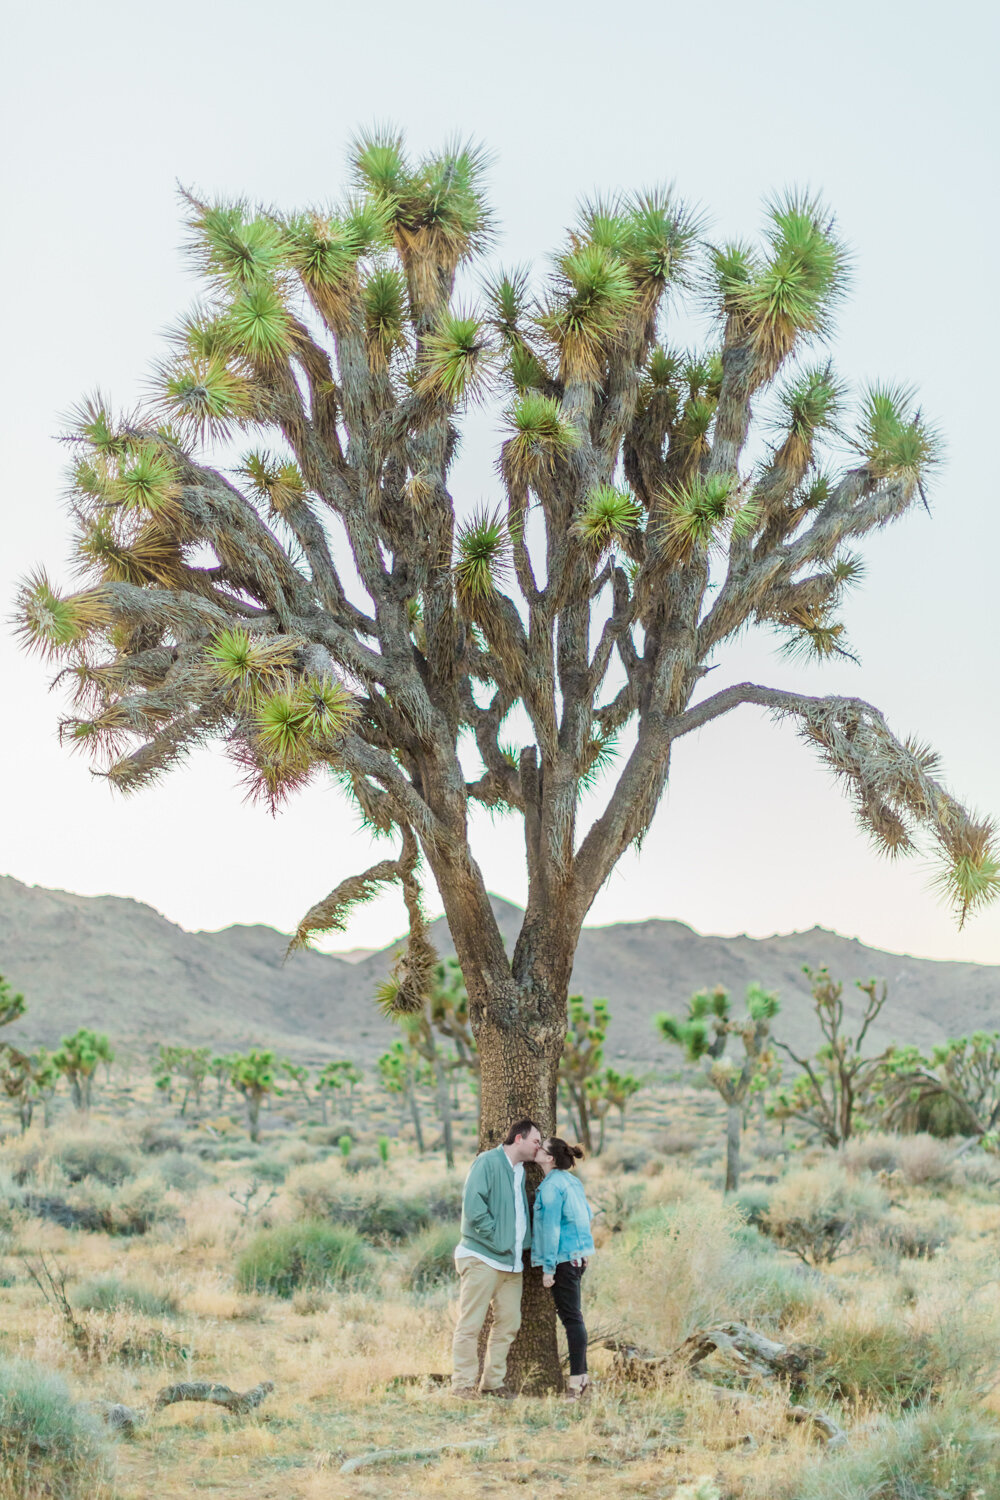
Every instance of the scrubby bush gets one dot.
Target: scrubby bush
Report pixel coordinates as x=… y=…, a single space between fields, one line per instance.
x=872 y=1153
x=362 y=1161
x=677 y=1142
x=377 y=1213
x=946 y=1452
x=922 y=1159
x=270 y=1169
x=101 y=1157
x=309 y=1253
x=156 y=1139
x=819 y=1214
x=754 y=1201
x=108 y=1294
x=132 y=1208
x=444 y=1199
x=430 y=1258
x=914 y=1239
x=48 y=1446
x=180 y=1172
x=877 y=1356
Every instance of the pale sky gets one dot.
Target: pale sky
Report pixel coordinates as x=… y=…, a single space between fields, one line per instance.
x=888 y=110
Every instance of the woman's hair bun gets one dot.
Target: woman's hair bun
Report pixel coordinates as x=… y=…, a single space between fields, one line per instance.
x=562 y=1153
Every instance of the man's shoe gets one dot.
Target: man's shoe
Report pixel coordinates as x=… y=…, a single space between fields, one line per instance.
x=463 y=1392
x=499 y=1393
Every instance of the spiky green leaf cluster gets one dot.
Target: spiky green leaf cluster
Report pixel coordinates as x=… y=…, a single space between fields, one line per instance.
x=384 y=297
x=481 y=555
x=895 y=445
x=439 y=200
x=275 y=480
x=693 y=518
x=454 y=358
x=55 y=624
x=607 y=515
x=592 y=296
x=540 y=437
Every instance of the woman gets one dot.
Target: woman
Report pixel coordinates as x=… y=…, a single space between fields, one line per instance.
x=560 y=1243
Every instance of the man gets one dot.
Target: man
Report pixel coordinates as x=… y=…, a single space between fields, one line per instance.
x=496 y=1230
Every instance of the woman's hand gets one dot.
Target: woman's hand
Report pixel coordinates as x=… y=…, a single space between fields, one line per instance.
x=548 y=1281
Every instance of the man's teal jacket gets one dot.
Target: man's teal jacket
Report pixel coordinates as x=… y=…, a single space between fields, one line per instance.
x=488 y=1207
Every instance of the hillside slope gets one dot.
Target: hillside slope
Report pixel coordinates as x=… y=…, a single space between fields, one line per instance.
x=118 y=965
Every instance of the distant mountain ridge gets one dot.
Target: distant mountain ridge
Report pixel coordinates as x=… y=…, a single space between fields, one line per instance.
x=117 y=964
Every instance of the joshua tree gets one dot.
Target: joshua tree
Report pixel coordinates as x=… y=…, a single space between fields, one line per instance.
x=298 y=1074
x=828 y=1091
x=583 y=1053
x=961 y=1075
x=704 y=1032
x=221 y=1069
x=397 y=1069
x=331 y=605
x=611 y=1090
x=77 y=1059
x=334 y=1076
x=252 y=1075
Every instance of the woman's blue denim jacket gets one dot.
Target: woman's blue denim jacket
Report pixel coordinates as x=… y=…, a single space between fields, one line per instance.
x=561 y=1226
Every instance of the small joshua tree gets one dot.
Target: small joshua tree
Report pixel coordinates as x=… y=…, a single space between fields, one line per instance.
x=298 y=1075
x=582 y=1055
x=611 y=1090
x=253 y=1076
x=704 y=1032
x=963 y=1072
x=334 y=1076
x=839 y=1078
x=397 y=1069
x=77 y=1059
x=221 y=1069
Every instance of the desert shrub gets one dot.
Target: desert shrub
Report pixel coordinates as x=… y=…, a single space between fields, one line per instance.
x=329 y=1135
x=872 y=1153
x=362 y=1161
x=818 y=1214
x=377 y=1213
x=946 y=1452
x=914 y=1239
x=880 y=1357
x=753 y=1201
x=23 y=1159
x=444 y=1199
x=101 y=1157
x=179 y=1171
x=308 y=1253
x=236 y=1150
x=108 y=1293
x=48 y=1446
x=132 y=1208
x=296 y=1154
x=614 y=1204
x=922 y=1159
x=270 y=1169
x=430 y=1258
x=677 y=1142
x=628 y=1159
x=666 y=1273
x=156 y=1139
x=768 y=1292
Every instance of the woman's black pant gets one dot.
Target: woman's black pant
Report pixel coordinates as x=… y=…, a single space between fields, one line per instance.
x=566 y=1295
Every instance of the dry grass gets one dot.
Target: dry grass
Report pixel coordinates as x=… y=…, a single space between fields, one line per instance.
x=670 y=1255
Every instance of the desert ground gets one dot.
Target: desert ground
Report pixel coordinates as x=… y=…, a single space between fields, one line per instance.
x=328 y=1274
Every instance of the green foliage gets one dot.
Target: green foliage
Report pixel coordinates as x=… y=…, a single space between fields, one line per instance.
x=12 y=1006
x=695 y=516
x=429 y=1260
x=540 y=437
x=607 y=515
x=839 y=1079
x=384 y=294
x=819 y=1215
x=48 y=1445
x=103 y=1157
x=77 y=1059
x=582 y=1056
x=306 y=1254
x=481 y=548
x=383 y=1150
x=454 y=358
x=896 y=445
x=960 y=1079
x=109 y=1293
x=948 y=1451
x=345 y=1145
x=253 y=1076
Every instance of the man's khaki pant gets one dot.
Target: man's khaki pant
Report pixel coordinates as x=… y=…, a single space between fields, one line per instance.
x=480 y=1286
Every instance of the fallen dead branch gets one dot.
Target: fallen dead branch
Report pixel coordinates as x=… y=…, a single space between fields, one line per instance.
x=126 y=1419
x=411 y=1455
x=745 y=1353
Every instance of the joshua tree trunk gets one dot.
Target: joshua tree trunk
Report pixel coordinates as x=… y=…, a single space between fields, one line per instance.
x=26 y=1109
x=412 y=1101
x=253 y=1116
x=734 y=1128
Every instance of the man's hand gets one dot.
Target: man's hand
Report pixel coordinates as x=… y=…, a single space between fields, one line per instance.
x=548 y=1281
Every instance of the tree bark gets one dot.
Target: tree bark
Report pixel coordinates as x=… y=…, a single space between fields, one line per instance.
x=734 y=1127
x=253 y=1116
